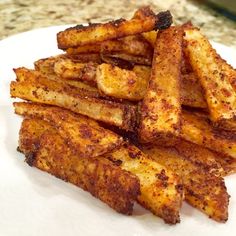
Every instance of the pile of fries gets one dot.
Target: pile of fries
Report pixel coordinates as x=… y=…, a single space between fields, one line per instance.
x=133 y=110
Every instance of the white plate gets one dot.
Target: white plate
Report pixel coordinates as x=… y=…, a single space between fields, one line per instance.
x=35 y=203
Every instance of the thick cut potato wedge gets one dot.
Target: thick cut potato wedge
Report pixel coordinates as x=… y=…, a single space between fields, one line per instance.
x=84 y=135
x=120 y=83
x=203 y=190
x=206 y=63
x=161 y=189
x=161 y=106
x=71 y=70
x=99 y=176
x=197 y=129
x=144 y=20
x=82 y=102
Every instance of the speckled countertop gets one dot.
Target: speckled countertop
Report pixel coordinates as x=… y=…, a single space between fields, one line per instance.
x=23 y=15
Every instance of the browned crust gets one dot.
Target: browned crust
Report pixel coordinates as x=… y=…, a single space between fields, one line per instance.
x=79 y=101
x=82 y=134
x=161 y=106
x=103 y=179
x=203 y=190
x=82 y=35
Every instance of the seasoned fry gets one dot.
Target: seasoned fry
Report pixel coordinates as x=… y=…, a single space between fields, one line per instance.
x=121 y=115
x=91 y=48
x=197 y=129
x=228 y=164
x=120 y=83
x=71 y=70
x=81 y=133
x=99 y=176
x=161 y=190
x=203 y=190
x=160 y=109
x=220 y=95
x=94 y=33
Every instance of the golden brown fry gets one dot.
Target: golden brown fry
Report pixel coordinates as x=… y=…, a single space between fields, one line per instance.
x=99 y=176
x=203 y=190
x=81 y=133
x=85 y=49
x=197 y=129
x=46 y=68
x=161 y=107
x=121 y=115
x=132 y=45
x=94 y=33
x=228 y=164
x=120 y=83
x=30 y=133
x=71 y=70
x=161 y=189
x=220 y=95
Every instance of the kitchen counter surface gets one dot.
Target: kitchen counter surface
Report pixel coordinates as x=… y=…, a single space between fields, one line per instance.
x=22 y=15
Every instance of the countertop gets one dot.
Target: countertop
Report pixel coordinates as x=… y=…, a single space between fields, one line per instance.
x=23 y=15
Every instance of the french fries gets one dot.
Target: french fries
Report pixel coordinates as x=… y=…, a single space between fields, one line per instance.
x=203 y=190
x=161 y=190
x=83 y=134
x=133 y=82
x=121 y=83
x=161 y=107
x=78 y=101
x=83 y=35
x=99 y=176
x=196 y=128
x=220 y=95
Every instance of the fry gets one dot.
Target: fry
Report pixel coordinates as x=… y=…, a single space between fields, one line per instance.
x=83 y=35
x=120 y=83
x=150 y=37
x=161 y=189
x=220 y=95
x=203 y=190
x=71 y=70
x=81 y=133
x=121 y=115
x=160 y=109
x=196 y=128
x=99 y=176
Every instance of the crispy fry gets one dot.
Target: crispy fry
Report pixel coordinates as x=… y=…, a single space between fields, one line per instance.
x=91 y=48
x=99 y=176
x=203 y=190
x=160 y=109
x=121 y=115
x=46 y=67
x=220 y=95
x=81 y=133
x=161 y=190
x=197 y=129
x=94 y=33
x=228 y=164
x=71 y=70
x=120 y=83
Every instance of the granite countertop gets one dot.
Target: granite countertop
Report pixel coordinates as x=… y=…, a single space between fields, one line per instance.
x=23 y=15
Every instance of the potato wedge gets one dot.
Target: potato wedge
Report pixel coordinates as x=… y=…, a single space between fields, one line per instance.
x=150 y=37
x=94 y=33
x=161 y=189
x=81 y=133
x=120 y=83
x=121 y=115
x=220 y=95
x=99 y=176
x=197 y=129
x=161 y=107
x=202 y=189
